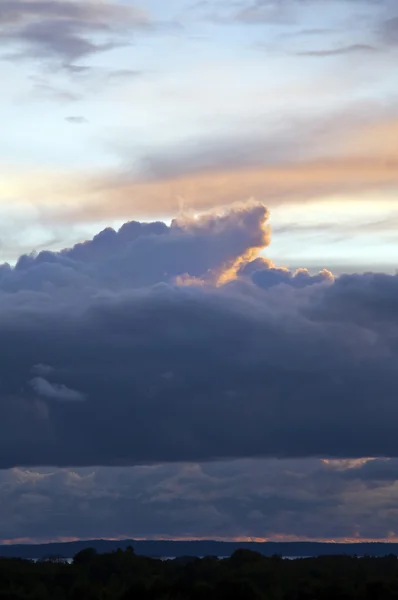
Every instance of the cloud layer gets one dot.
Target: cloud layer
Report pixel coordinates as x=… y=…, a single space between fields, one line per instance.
x=65 y=30
x=264 y=499
x=180 y=345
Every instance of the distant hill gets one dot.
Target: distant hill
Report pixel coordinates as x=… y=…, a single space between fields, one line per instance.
x=158 y=548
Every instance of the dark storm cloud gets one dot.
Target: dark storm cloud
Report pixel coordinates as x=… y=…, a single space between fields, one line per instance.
x=64 y=29
x=176 y=363
x=245 y=498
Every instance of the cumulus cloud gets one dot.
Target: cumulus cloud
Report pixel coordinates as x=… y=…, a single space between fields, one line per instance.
x=264 y=274
x=253 y=362
x=142 y=254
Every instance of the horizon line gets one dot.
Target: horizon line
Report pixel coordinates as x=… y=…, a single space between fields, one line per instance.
x=65 y=540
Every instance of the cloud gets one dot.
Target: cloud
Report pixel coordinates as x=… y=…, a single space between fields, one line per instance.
x=125 y=73
x=43 y=370
x=308 y=32
x=44 y=88
x=342 y=50
x=265 y=12
x=55 y=391
x=346 y=154
x=258 y=12
x=226 y=500
x=66 y=30
x=265 y=275
x=389 y=31
x=76 y=120
x=253 y=362
x=143 y=254
x=76 y=69
x=276 y=184
x=343 y=154
x=283 y=12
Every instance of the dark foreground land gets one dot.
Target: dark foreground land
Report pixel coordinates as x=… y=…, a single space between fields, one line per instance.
x=162 y=548
x=246 y=575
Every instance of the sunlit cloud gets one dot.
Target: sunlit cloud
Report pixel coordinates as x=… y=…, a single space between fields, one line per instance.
x=199 y=207
x=76 y=199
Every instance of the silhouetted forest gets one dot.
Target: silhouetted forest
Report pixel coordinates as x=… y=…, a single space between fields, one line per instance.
x=177 y=548
x=246 y=575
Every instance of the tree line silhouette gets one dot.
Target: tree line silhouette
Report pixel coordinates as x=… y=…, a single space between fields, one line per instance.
x=246 y=575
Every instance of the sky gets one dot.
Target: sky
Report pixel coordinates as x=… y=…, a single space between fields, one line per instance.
x=198 y=270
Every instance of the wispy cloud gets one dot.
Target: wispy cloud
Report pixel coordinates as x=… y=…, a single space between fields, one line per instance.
x=56 y=391
x=65 y=30
x=44 y=88
x=77 y=120
x=124 y=73
x=342 y=50
x=347 y=154
x=389 y=31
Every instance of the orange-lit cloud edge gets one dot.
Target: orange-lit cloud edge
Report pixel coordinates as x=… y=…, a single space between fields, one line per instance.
x=273 y=537
x=72 y=199
x=364 y=160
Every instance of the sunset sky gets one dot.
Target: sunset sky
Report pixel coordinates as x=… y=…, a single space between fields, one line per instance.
x=224 y=361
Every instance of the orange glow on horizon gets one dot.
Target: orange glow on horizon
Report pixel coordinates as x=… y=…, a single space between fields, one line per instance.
x=283 y=538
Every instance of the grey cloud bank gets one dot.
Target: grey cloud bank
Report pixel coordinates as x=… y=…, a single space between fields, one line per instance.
x=185 y=347
x=244 y=498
